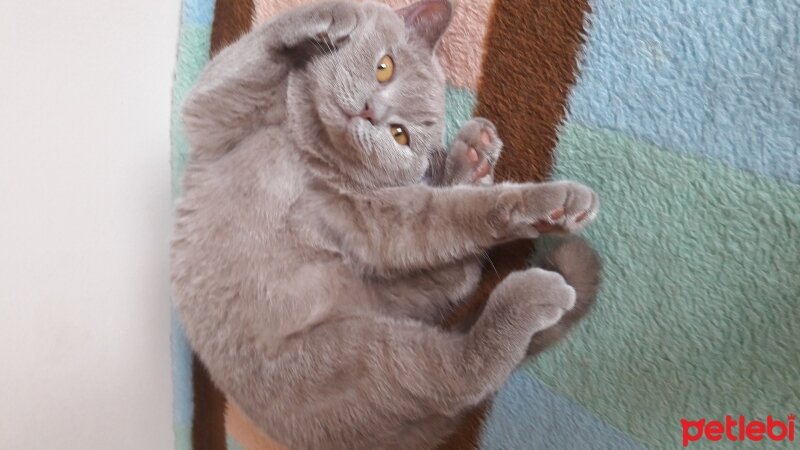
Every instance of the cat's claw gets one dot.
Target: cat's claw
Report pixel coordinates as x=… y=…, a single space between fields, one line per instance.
x=474 y=154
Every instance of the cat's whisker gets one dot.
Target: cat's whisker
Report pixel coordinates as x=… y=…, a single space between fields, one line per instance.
x=486 y=256
x=318 y=46
x=327 y=43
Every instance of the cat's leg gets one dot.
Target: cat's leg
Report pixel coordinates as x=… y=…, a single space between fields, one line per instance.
x=581 y=267
x=396 y=231
x=472 y=159
x=430 y=295
x=365 y=382
x=244 y=86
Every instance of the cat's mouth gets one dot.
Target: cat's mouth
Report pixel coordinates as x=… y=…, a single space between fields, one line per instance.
x=349 y=117
x=342 y=125
x=355 y=125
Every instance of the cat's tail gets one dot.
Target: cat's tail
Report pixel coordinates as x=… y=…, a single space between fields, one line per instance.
x=581 y=267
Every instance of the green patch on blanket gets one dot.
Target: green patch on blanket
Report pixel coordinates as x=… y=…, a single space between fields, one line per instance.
x=700 y=312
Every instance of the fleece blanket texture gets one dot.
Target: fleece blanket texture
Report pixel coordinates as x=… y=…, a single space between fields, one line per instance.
x=685 y=116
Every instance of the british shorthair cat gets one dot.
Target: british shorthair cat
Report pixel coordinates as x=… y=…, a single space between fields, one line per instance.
x=311 y=263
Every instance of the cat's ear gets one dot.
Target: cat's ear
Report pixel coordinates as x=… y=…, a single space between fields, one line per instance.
x=428 y=19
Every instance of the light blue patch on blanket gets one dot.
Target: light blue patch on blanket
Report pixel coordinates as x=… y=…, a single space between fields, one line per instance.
x=527 y=414
x=197 y=12
x=719 y=79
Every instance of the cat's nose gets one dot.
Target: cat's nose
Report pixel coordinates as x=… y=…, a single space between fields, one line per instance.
x=368 y=114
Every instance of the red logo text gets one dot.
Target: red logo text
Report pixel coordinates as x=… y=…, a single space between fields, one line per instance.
x=739 y=429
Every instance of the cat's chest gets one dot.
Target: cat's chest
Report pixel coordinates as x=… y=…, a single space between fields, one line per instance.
x=267 y=173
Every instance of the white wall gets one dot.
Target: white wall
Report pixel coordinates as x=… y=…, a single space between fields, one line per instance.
x=85 y=223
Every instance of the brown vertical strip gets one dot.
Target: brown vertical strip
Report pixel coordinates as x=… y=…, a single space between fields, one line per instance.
x=208 y=424
x=232 y=19
x=529 y=66
x=528 y=70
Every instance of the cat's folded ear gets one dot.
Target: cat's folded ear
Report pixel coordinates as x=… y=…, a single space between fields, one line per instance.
x=428 y=19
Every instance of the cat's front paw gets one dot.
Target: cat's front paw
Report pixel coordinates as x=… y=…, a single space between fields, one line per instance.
x=530 y=210
x=474 y=154
x=578 y=210
x=321 y=27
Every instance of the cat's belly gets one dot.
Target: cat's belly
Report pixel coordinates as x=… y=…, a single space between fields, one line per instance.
x=426 y=295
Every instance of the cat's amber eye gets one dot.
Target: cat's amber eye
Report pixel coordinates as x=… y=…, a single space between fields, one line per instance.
x=385 y=70
x=400 y=134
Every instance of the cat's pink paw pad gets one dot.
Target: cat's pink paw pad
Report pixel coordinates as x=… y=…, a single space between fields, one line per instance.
x=486 y=137
x=480 y=164
x=474 y=153
x=577 y=212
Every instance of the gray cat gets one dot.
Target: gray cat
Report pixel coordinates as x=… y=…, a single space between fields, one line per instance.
x=311 y=265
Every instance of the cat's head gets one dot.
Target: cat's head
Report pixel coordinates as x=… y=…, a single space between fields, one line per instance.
x=373 y=108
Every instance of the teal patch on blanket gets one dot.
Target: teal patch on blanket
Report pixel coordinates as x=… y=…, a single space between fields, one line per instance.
x=183 y=402
x=526 y=414
x=231 y=444
x=459 y=104
x=700 y=312
x=183 y=437
x=193 y=47
x=194 y=44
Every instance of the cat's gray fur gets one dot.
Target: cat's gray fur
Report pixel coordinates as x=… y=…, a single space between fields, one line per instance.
x=309 y=263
